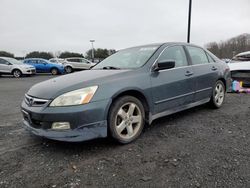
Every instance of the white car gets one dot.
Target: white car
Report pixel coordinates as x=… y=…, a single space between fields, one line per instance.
x=240 y=68
x=57 y=60
x=240 y=62
x=16 y=68
x=77 y=63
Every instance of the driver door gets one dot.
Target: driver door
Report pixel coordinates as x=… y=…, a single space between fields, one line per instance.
x=173 y=88
x=5 y=67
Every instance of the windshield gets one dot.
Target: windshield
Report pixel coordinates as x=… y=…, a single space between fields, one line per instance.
x=14 y=61
x=127 y=59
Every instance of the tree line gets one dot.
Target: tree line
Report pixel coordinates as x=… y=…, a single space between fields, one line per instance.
x=99 y=53
x=231 y=47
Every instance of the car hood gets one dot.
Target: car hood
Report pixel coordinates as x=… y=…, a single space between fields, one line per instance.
x=52 y=88
x=26 y=66
x=239 y=66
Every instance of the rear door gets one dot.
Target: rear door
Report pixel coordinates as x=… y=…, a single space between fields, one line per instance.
x=74 y=62
x=173 y=88
x=205 y=71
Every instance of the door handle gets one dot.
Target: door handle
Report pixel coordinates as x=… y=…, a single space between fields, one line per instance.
x=188 y=73
x=213 y=68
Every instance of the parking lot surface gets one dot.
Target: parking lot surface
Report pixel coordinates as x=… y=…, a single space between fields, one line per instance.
x=200 y=147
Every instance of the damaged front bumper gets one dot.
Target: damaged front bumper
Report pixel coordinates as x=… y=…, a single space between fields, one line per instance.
x=86 y=121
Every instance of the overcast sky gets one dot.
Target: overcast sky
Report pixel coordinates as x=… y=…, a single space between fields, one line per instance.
x=59 y=25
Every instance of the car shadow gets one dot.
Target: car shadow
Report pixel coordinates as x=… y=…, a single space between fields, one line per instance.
x=104 y=143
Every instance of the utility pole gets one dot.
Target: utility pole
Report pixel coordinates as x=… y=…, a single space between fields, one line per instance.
x=93 y=54
x=189 y=20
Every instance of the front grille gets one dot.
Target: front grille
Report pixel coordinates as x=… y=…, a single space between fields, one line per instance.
x=33 y=101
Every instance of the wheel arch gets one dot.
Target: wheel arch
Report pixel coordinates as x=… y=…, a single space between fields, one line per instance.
x=53 y=68
x=135 y=93
x=68 y=65
x=16 y=69
x=224 y=82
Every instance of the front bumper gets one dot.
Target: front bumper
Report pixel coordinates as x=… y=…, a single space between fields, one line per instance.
x=87 y=121
x=29 y=71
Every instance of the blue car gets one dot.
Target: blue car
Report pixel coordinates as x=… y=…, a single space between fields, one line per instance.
x=45 y=66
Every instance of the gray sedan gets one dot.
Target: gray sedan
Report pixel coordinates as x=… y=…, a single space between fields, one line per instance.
x=124 y=92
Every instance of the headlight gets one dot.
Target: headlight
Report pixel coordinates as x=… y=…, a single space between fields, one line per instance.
x=76 y=97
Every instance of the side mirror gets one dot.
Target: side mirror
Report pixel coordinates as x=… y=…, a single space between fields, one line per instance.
x=164 y=64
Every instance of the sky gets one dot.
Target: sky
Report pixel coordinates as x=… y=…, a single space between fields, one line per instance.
x=68 y=25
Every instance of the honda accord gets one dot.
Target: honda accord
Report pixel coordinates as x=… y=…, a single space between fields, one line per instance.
x=124 y=92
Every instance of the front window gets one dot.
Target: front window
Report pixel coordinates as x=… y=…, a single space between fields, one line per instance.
x=175 y=53
x=128 y=59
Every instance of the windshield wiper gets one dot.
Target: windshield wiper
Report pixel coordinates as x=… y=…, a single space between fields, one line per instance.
x=110 y=67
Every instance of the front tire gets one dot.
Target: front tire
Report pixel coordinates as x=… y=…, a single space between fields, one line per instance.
x=218 y=95
x=126 y=119
x=17 y=73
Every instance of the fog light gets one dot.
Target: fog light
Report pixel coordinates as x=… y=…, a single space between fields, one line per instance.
x=60 y=125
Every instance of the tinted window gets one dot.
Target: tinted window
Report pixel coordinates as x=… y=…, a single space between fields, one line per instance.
x=30 y=61
x=176 y=53
x=3 y=62
x=74 y=60
x=41 y=62
x=83 y=61
x=198 y=55
x=210 y=59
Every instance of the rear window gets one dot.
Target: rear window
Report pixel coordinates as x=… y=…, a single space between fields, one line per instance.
x=73 y=60
x=210 y=59
x=198 y=55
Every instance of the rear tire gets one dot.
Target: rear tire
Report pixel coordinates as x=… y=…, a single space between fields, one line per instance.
x=54 y=71
x=126 y=119
x=68 y=69
x=16 y=73
x=218 y=95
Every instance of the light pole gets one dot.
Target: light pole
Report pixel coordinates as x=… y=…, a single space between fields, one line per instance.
x=189 y=20
x=93 y=55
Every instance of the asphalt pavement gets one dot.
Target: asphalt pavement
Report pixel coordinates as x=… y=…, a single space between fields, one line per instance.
x=200 y=147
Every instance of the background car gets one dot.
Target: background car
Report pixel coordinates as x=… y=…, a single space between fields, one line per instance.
x=16 y=68
x=240 y=68
x=77 y=63
x=57 y=60
x=44 y=66
x=244 y=56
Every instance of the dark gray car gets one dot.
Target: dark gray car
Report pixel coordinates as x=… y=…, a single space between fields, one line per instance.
x=123 y=92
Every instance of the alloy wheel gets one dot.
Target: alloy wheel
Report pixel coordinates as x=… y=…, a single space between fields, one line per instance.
x=68 y=69
x=54 y=71
x=17 y=73
x=219 y=94
x=128 y=120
